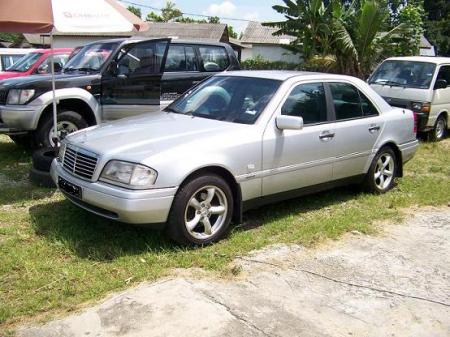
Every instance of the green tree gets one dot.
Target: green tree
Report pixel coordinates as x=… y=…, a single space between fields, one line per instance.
x=169 y=12
x=437 y=24
x=231 y=32
x=135 y=10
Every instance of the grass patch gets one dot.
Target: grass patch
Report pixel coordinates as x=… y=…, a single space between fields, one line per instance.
x=55 y=256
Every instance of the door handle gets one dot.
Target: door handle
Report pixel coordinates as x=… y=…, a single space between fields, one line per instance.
x=374 y=128
x=326 y=135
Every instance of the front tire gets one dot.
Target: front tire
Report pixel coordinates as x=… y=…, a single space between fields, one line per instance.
x=201 y=211
x=68 y=122
x=382 y=172
x=440 y=129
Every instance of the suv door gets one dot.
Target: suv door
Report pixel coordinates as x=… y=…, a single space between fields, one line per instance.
x=357 y=128
x=181 y=72
x=293 y=159
x=131 y=84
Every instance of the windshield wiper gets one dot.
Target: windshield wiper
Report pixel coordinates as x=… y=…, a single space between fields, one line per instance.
x=389 y=82
x=176 y=111
x=80 y=69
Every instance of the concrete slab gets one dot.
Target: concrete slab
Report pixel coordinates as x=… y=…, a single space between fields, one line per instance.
x=394 y=284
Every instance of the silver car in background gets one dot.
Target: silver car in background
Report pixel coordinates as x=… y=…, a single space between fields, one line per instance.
x=236 y=141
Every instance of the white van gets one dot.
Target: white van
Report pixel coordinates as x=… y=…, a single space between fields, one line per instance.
x=8 y=56
x=418 y=83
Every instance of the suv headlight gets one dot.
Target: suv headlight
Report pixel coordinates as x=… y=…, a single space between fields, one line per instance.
x=128 y=174
x=19 y=96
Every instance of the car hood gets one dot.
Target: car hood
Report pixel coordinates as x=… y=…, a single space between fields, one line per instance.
x=411 y=94
x=44 y=81
x=138 y=138
x=9 y=74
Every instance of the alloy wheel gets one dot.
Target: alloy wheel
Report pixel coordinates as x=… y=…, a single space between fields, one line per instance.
x=206 y=212
x=64 y=128
x=384 y=171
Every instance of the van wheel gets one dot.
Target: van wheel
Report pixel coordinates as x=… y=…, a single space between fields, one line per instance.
x=382 y=172
x=201 y=211
x=68 y=122
x=440 y=129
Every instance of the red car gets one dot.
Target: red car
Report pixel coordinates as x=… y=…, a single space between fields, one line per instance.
x=37 y=62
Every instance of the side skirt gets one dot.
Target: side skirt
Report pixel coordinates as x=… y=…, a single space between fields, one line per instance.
x=274 y=198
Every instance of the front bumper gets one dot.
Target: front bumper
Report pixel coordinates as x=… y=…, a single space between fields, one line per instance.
x=116 y=203
x=17 y=118
x=408 y=150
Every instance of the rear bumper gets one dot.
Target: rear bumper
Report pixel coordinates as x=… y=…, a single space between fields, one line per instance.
x=16 y=119
x=408 y=150
x=135 y=207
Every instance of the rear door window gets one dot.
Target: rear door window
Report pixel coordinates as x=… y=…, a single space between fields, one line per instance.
x=181 y=58
x=214 y=58
x=350 y=103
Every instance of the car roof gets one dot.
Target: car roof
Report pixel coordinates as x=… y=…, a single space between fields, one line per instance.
x=143 y=38
x=429 y=59
x=283 y=75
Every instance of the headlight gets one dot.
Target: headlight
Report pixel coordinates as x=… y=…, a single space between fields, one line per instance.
x=421 y=107
x=128 y=174
x=17 y=96
x=61 y=152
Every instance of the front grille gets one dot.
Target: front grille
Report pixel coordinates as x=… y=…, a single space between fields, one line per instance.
x=3 y=94
x=79 y=162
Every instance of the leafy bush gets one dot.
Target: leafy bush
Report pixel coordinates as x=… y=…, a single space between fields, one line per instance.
x=259 y=63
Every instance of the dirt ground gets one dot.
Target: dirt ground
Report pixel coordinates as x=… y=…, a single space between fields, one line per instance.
x=396 y=283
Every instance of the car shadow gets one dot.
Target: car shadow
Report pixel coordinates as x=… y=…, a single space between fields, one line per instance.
x=312 y=202
x=95 y=238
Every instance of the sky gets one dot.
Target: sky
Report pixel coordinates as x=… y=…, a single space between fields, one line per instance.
x=256 y=10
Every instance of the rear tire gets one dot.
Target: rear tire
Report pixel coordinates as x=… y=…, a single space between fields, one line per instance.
x=382 y=172
x=41 y=178
x=68 y=122
x=24 y=141
x=201 y=211
x=42 y=158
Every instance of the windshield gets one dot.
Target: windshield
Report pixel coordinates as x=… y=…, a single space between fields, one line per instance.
x=91 y=57
x=227 y=98
x=25 y=62
x=410 y=74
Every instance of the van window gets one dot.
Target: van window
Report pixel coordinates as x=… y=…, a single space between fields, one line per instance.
x=444 y=74
x=214 y=58
x=409 y=74
x=307 y=101
x=181 y=58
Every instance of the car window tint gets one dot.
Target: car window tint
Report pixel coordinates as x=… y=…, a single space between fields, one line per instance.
x=346 y=101
x=142 y=59
x=180 y=58
x=307 y=101
x=444 y=74
x=367 y=106
x=214 y=58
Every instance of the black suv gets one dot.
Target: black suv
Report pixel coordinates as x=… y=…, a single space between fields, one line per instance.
x=108 y=80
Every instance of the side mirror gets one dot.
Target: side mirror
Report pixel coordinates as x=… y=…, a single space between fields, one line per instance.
x=289 y=122
x=440 y=84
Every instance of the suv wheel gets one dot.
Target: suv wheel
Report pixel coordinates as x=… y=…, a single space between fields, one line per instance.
x=68 y=122
x=201 y=211
x=382 y=172
x=440 y=129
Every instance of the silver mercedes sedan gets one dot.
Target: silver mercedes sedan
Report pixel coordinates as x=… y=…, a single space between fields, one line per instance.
x=236 y=141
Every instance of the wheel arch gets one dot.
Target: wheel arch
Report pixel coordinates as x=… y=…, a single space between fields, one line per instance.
x=398 y=155
x=75 y=104
x=229 y=178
